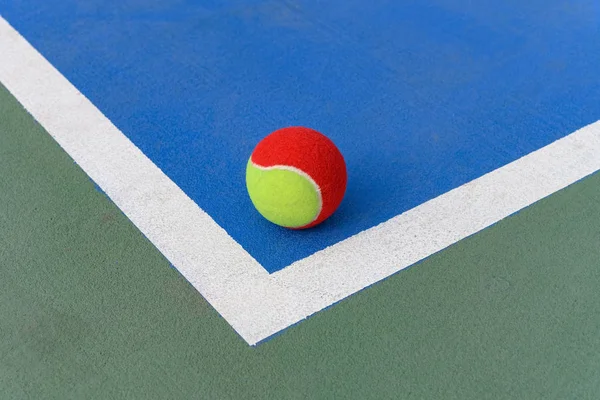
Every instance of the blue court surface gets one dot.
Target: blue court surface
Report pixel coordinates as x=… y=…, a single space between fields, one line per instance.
x=420 y=96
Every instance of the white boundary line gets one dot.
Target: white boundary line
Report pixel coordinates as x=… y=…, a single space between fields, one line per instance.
x=256 y=304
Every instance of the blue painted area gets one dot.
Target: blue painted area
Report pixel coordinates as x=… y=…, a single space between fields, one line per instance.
x=420 y=96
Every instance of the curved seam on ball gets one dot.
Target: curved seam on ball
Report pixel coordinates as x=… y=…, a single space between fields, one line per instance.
x=304 y=175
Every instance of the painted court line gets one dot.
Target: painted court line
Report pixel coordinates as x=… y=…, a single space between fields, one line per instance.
x=255 y=303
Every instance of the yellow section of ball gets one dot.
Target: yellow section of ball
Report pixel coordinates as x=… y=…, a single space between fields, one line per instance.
x=283 y=195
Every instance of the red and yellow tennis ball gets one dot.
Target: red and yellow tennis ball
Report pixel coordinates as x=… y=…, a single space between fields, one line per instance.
x=296 y=177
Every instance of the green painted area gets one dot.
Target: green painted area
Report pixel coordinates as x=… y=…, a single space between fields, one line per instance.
x=89 y=309
x=284 y=197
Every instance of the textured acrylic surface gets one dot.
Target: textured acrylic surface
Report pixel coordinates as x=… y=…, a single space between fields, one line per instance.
x=89 y=309
x=421 y=97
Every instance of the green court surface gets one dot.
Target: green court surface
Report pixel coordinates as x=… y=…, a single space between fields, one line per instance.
x=90 y=309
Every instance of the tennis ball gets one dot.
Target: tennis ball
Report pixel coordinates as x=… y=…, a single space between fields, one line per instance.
x=296 y=177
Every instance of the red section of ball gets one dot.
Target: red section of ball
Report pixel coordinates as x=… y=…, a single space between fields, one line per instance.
x=311 y=152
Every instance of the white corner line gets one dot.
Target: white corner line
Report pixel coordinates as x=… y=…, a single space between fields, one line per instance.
x=256 y=304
